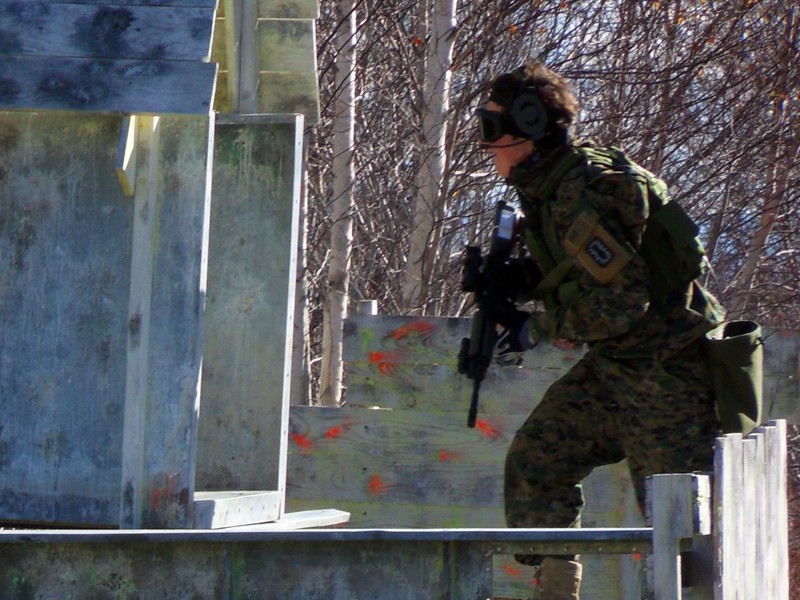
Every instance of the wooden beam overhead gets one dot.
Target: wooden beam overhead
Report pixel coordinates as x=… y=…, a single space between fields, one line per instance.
x=121 y=86
x=195 y=3
x=106 y=31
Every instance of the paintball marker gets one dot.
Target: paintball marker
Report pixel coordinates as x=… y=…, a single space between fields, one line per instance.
x=486 y=277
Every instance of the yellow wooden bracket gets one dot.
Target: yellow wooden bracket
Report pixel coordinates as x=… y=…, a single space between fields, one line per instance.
x=126 y=154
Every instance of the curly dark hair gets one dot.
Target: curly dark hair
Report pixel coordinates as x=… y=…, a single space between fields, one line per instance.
x=553 y=89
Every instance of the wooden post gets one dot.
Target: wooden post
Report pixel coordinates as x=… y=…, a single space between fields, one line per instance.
x=761 y=499
x=679 y=510
x=168 y=281
x=367 y=308
x=727 y=487
x=748 y=509
x=776 y=561
x=134 y=423
x=750 y=515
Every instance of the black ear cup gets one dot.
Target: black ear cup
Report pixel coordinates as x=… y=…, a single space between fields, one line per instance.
x=530 y=114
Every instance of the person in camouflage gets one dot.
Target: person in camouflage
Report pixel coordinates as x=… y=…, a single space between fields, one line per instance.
x=642 y=391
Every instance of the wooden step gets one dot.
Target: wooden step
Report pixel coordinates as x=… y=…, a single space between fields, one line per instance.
x=222 y=509
x=257 y=511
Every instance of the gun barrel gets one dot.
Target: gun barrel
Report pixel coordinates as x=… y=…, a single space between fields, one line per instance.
x=472 y=416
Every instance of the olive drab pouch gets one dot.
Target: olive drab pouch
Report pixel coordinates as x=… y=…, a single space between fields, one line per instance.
x=735 y=352
x=672 y=249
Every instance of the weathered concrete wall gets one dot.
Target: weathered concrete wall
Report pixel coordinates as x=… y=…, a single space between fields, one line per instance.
x=249 y=314
x=66 y=237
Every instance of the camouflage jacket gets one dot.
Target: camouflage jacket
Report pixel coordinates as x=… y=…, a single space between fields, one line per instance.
x=603 y=296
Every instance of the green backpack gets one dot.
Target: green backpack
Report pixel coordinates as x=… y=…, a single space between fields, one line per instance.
x=675 y=257
x=671 y=246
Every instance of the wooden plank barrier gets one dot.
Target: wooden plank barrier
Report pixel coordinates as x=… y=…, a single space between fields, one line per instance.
x=400 y=564
x=743 y=513
x=750 y=515
x=399 y=454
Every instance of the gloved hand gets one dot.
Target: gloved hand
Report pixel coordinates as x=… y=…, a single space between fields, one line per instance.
x=518 y=277
x=514 y=339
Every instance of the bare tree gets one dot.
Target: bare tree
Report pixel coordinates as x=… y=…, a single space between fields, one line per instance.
x=430 y=202
x=703 y=93
x=341 y=241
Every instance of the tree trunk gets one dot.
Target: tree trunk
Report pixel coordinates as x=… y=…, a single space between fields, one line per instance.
x=430 y=199
x=342 y=210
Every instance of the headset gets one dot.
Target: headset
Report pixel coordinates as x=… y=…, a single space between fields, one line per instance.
x=527 y=116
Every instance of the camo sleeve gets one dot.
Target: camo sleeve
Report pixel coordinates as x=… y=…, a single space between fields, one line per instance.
x=610 y=302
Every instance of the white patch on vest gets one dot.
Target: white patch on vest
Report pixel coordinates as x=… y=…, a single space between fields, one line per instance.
x=599 y=252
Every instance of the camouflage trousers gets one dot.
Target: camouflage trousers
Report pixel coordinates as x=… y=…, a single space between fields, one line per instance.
x=659 y=414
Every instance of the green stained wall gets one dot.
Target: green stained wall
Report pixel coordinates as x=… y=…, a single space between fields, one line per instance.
x=250 y=308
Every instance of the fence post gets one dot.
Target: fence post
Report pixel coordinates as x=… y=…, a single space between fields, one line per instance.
x=727 y=489
x=776 y=561
x=678 y=510
x=750 y=515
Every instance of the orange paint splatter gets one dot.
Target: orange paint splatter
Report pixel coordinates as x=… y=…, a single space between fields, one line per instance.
x=512 y=570
x=487 y=429
x=333 y=432
x=446 y=456
x=376 y=486
x=164 y=492
x=637 y=557
x=303 y=442
x=387 y=368
x=423 y=328
x=386 y=361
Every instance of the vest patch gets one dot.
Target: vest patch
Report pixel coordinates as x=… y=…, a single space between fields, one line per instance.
x=595 y=249
x=599 y=252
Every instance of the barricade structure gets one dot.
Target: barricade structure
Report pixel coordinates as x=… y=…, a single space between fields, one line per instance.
x=151 y=166
x=399 y=454
x=150 y=180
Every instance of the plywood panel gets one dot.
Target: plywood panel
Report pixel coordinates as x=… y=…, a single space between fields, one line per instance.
x=397 y=456
x=413 y=468
x=284 y=92
x=289 y=9
x=112 y=30
x=429 y=340
x=64 y=276
x=254 y=228
x=407 y=457
x=287 y=45
x=180 y=182
x=441 y=387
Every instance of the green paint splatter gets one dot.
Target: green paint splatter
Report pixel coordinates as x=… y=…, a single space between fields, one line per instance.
x=20 y=586
x=366 y=338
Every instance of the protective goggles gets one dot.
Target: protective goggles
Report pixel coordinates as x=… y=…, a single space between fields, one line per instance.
x=492 y=125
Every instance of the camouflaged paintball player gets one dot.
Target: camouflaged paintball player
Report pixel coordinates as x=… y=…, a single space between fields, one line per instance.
x=616 y=266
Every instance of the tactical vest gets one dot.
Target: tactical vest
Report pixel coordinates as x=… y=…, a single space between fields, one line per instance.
x=670 y=244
